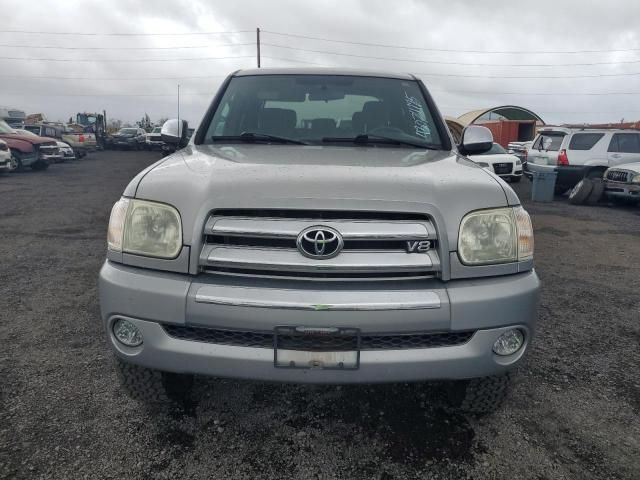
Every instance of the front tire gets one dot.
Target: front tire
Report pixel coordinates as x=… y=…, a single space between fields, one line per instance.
x=153 y=387
x=16 y=162
x=480 y=395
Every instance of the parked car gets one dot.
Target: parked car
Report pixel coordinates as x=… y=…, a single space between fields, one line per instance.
x=66 y=151
x=29 y=150
x=7 y=164
x=276 y=247
x=581 y=153
x=519 y=149
x=623 y=182
x=129 y=138
x=60 y=158
x=80 y=142
x=153 y=139
x=498 y=161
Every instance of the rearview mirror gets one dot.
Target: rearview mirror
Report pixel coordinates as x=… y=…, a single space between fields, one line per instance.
x=174 y=131
x=475 y=140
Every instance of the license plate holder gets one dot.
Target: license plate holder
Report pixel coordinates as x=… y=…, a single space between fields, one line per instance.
x=316 y=348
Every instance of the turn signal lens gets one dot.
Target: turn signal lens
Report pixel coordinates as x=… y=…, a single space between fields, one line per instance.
x=116 y=224
x=525 y=234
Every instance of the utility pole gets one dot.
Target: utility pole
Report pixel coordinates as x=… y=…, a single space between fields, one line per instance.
x=179 y=126
x=258 y=45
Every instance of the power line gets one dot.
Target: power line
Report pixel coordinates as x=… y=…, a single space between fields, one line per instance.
x=458 y=75
x=127 y=48
x=48 y=77
x=554 y=77
x=125 y=60
x=435 y=62
x=406 y=47
x=95 y=34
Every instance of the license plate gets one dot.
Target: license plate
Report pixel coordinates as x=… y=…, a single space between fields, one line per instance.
x=319 y=348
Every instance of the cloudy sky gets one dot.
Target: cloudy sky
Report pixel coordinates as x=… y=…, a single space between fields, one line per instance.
x=569 y=61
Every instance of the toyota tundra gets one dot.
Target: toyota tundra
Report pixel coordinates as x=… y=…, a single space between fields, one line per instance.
x=320 y=227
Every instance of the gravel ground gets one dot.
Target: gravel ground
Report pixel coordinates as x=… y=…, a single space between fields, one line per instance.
x=574 y=411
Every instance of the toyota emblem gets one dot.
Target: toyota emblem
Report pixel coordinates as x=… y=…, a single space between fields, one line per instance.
x=319 y=242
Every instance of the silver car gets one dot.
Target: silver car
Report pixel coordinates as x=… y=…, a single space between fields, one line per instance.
x=320 y=227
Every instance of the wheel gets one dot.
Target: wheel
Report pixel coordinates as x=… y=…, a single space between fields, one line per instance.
x=596 y=194
x=16 y=162
x=581 y=192
x=153 y=387
x=480 y=395
x=516 y=179
x=596 y=173
x=39 y=166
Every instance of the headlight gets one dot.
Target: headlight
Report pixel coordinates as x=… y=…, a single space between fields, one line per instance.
x=635 y=178
x=518 y=162
x=483 y=164
x=499 y=235
x=145 y=228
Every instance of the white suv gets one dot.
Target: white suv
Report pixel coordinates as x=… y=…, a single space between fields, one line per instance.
x=579 y=153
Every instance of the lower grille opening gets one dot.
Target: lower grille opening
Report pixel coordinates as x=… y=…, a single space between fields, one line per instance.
x=243 y=338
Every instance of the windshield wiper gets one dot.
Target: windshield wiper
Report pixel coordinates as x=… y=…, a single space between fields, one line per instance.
x=367 y=138
x=256 y=137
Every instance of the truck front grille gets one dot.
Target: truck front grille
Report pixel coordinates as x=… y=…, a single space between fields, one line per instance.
x=48 y=149
x=617 y=176
x=263 y=243
x=242 y=338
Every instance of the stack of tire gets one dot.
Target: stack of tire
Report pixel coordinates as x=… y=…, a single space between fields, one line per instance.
x=587 y=191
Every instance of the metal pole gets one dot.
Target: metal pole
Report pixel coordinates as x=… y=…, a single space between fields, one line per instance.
x=258 y=45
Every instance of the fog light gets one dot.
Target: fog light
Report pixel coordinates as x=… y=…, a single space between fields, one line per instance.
x=127 y=333
x=509 y=342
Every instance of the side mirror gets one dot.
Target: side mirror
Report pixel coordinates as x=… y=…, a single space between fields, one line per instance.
x=174 y=131
x=475 y=140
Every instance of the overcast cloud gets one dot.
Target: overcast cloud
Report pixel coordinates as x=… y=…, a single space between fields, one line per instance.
x=127 y=90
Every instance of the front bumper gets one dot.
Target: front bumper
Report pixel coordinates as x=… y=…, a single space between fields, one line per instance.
x=489 y=306
x=628 y=191
x=55 y=158
x=5 y=162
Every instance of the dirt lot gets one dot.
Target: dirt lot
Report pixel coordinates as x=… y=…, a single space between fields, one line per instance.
x=574 y=411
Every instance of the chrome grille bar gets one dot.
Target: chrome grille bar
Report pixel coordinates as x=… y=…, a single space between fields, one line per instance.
x=290 y=228
x=255 y=242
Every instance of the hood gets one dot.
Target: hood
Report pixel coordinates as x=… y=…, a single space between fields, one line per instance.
x=33 y=140
x=633 y=167
x=494 y=158
x=201 y=178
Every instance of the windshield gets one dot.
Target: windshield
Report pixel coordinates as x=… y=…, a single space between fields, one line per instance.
x=5 y=128
x=496 y=148
x=26 y=132
x=156 y=130
x=311 y=108
x=128 y=131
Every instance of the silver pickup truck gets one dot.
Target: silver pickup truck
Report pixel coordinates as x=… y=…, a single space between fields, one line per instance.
x=320 y=227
